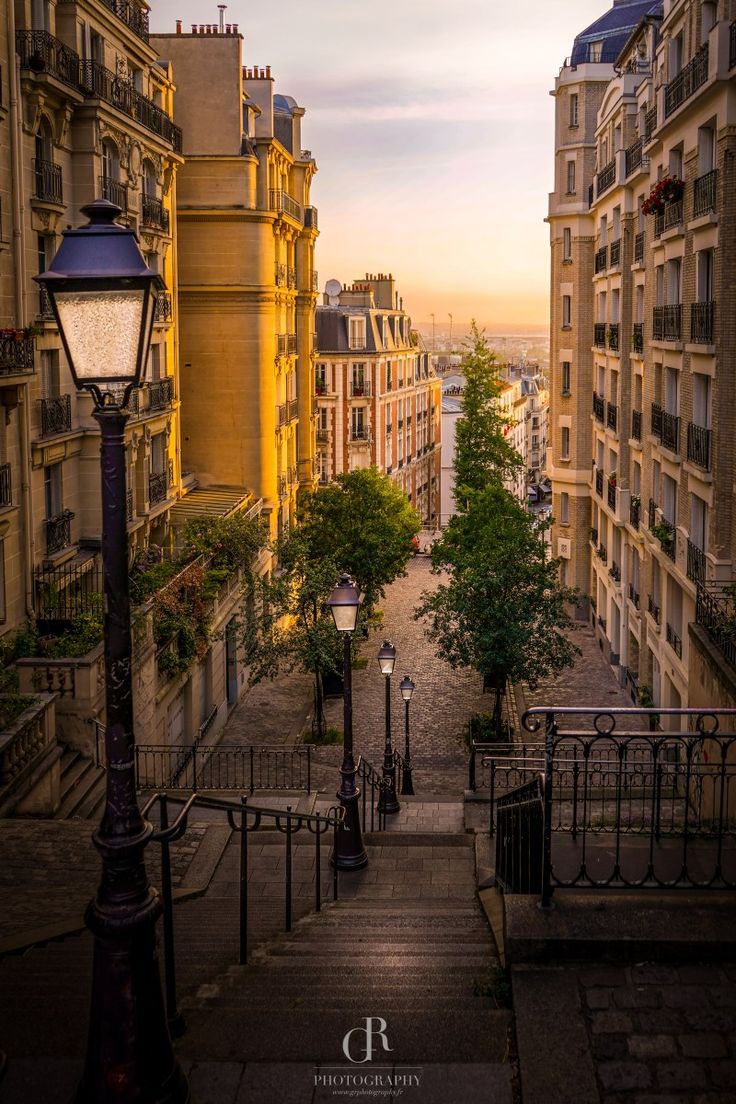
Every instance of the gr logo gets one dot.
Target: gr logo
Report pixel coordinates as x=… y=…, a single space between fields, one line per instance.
x=374 y=1028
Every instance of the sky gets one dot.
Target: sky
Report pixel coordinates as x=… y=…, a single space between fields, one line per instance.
x=432 y=127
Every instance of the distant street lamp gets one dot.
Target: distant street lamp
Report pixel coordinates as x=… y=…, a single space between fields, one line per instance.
x=387 y=801
x=344 y=602
x=103 y=297
x=407 y=688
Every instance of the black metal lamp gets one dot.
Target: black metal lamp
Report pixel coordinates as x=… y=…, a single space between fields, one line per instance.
x=344 y=603
x=388 y=802
x=103 y=296
x=407 y=688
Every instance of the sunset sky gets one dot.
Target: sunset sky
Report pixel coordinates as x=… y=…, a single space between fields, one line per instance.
x=432 y=128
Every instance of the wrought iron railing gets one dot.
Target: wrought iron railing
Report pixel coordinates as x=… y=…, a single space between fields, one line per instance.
x=650 y=123
x=241 y=767
x=612 y=334
x=164 y=310
x=702 y=322
x=612 y=415
x=653 y=608
x=605 y=178
x=6 y=485
x=652 y=513
x=599 y=482
x=634 y=156
x=732 y=46
x=614 y=252
x=47 y=181
x=58 y=532
x=130 y=14
x=283 y=203
x=160 y=393
x=599 y=334
x=637 y=338
x=639 y=241
x=600 y=263
x=634 y=512
x=16 y=353
x=615 y=572
x=154 y=214
x=519 y=827
x=56 y=415
x=695 y=563
x=611 y=495
x=97 y=82
x=656 y=420
x=280 y=274
x=687 y=81
x=360 y=389
x=698 y=445
x=670 y=431
x=311 y=221
x=43 y=53
x=704 y=193
x=62 y=593
x=667 y=322
x=633 y=595
x=360 y=434
x=158 y=487
x=45 y=310
x=636 y=424
x=715 y=611
x=674 y=640
x=114 y=192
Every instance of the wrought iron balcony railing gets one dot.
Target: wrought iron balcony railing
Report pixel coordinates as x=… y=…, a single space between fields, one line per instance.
x=715 y=611
x=290 y=277
x=129 y=504
x=615 y=572
x=653 y=608
x=650 y=123
x=695 y=562
x=47 y=177
x=605 y=178
x=594 y=535
x=601 y=259
x=656 y=420
x=635 y=511
x=158 y=487
x=160 y=393
x=611 y=495
x=360 y=434
x=634 y=156
x=292 y=409
x=283 y=203
x=698 y=445
x=45 y=311
x=612 y=331
x=6 y=485
x=280 y=274
x=291 y=343
x=16 y=353
x=612 y=415
x=674 y=640
x=667 y=322
x=599 y=482
x=636 y=424
x=652 y=518
x=56 y=415
x=634 y=595
x=614 y=253
x=43 y=53
x=97 y=82
x=164 y=311
x=58 y=532
x=732 y=46
x=131 y=15
x=704 y=193
x=673 y=214
x=687 y=81
x=315 y=287
x=114 y=192
x=310 y=219
x=702 y=323
x=637 y=338
x=154 y=214
x=639 y=246
x=360 y=389
x=670 y=431
x=599 y=335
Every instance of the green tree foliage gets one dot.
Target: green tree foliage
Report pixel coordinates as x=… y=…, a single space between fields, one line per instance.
x=481 y=449
x=499 y=607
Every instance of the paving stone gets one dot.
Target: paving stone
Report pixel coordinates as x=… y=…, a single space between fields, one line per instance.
x=685 y=996
x=703 y=1044
x=723 y=1074
x=651 y=1046
x=619 y=1076
x=612 y=1022
x=597 y=998
x=681 y=1075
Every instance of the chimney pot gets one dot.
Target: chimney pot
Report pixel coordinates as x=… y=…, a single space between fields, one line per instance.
x=194 y=28
x=268 y=71
x=235 y=28
x=178 y=26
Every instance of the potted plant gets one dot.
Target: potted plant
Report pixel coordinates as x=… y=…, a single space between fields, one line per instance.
x=667 y=190
x=663 y=531
x=637 y=341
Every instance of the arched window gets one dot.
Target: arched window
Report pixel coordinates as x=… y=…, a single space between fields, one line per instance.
x=110 y=161
x=149 y=179
x=44 y=142
x=47 y=174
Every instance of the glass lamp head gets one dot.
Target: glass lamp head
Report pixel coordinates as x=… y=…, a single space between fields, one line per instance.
x=344 y=603
x=103 y=295
x=407 y=687
x=387 y=658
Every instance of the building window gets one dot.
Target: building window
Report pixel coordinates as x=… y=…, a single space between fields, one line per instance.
x=571 y=178
x=567 y=244
x=357 y=333
x=3 y=609
x=564 y=509
x=566 y=311
x=52 y=486
x=565 y=443
x=566 y=377
x=574 y=109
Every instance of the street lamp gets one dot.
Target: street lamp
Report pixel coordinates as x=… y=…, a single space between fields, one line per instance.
x=344 y=602
x=407 y=689
x=387 y=800
x=103 y=297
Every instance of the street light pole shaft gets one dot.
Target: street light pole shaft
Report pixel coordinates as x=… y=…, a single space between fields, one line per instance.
x=407 y=782
x=129 y=1053
x=351 y=854
x=388 y=800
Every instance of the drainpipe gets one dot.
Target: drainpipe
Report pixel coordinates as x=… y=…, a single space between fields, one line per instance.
x=24 y=427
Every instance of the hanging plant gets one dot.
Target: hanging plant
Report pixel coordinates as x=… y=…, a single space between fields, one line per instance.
x=669 y=189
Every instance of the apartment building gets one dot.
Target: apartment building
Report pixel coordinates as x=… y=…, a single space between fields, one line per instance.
x=379 y=401
x=247 y=284
x=660 y=395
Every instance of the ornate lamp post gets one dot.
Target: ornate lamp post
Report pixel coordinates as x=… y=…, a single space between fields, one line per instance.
x=103 y=296
x=387 y=800
x=407 y=689
x=344 y=602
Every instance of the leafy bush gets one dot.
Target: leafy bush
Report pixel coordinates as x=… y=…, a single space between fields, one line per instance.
x=11 y=707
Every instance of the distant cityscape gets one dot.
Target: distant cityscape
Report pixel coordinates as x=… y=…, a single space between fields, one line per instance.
x=528 y=344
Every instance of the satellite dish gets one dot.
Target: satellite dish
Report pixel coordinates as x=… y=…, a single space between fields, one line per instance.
x=332 y=291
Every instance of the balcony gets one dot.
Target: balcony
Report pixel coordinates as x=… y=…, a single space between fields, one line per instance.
x=6 y=486
x=291 y=278
x=633 y=596
x=43 y=53
x=99 y=83
x=601 y=259
x=667 y=322
x=650 y=123
x=615 y=253
x=639 y=241
x=154 y=214
x=599 y=482
x=360 y=389
x=636 y=424
x=323 y=436
x=687 y=81
x=605 y=178
x=602 y=553
x=129 y=14
x=360 y=434
x=320 y=386
x=114 y=192
x=56 y=415
x=58 y=532
x=611 y=495
x=652 y=519
x=612 y=332
x=292 y=411
x=158 y=487
x=594 y=534
x=129 y=504
x=160 y=393
x=612 y=416
x=280 y=275
x=599 y=335
x=315 y=283
x=47 y=178
x=732 y=46
x=281 y=202
x=16 y=352
x=672 y=215
x=715 y=612
x=637 y=339
x=311 y=221
x=291 y=344
x=615 y=572
x=164 y=309
x=656 y=420
x=635 y=511
x=634 y=156
x=653 y=609
x=704 y=193
x=674 y=641
x=695 y=563
x=670 y=431
x=698 y=445
x=702 y=323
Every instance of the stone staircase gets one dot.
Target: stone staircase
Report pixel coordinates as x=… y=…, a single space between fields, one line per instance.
x=82 y=787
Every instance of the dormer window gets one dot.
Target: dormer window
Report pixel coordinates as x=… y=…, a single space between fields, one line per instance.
x=356 y=335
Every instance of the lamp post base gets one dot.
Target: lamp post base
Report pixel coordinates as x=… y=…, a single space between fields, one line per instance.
x=388 y=801
x=351 y=854
x=407 y=783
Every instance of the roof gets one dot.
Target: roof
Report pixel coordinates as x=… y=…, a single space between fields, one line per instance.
x=332 y=330
x=209 y=502
x=451 y=406
x=284 y=105
x=612 y=30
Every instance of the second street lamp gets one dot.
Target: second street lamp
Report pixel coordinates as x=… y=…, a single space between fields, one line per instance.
x=103 y=296
x=407 y=689
x=344 y=603
x=387 y=801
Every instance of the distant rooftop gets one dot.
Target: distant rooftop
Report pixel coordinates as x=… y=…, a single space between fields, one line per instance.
x=604 y=40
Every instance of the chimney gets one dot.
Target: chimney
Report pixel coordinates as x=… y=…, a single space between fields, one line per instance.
x=221 y=9
x=178 y=26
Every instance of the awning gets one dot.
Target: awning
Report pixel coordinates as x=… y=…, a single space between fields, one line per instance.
x=210 y=502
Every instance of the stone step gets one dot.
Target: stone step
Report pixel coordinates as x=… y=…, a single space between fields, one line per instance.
x=364 y=1003
x=84 y=782
x=348 y=948
x=450 y=840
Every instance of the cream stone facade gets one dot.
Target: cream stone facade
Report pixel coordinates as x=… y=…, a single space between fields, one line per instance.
x=379 y=401
x=247 y=285
x=663 y=343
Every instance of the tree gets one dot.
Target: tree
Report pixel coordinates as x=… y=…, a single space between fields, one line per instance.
x=502 y=610
x=364 y=524
x=482 y=451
